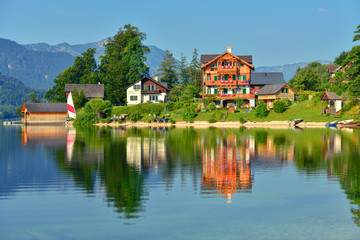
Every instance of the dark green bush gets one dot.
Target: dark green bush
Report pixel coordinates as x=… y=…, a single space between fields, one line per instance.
x=84 y=117
x=279 y=106
x=135 y=116
x=212 y=106
x=302 y=97
x=242 y=120
x=261 y=110
x=212 y=119
x=189 y=114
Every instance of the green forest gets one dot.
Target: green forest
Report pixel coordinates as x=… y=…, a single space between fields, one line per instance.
x=13 y=93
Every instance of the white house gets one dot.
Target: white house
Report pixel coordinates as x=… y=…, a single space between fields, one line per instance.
x=147 y=90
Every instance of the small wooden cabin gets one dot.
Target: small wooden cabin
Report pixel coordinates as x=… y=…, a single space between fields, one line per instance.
x=270 y=93
x=333 y=103
x=44 y=113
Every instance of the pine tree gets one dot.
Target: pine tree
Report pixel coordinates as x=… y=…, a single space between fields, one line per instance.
x=168 y=69
x=184 y=73
x=195 y=71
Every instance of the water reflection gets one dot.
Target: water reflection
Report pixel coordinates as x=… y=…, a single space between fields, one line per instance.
x=120 y=163
x=226 y=166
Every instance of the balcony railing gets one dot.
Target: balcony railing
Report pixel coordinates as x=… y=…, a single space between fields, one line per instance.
x=227 y=82
x=156 y=91
x=231 y=96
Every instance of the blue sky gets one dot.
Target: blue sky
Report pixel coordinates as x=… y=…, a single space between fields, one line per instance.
x=275 y=32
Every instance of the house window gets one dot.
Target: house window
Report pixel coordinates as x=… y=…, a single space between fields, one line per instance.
x=285 y=90
x=225 y=63
x=137 y=87
x=234 y=77
x=133 y=98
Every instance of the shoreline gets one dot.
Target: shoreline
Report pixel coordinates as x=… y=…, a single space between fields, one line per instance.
x=228 y=124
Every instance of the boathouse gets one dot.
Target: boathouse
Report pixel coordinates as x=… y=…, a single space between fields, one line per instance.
x=44 y=113
x=91 y=90
x=333 y=103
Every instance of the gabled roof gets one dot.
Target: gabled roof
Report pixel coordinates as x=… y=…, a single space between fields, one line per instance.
x=205 y=58
x=45 y=107
x=330 y=96
x=161 y=84
x=273 y=89
x=266 y=78
x=226 y=52
x=90 y=90
x=332 y=69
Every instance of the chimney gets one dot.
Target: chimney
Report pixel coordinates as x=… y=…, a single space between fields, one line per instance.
x=229 y=49
x=156 y=78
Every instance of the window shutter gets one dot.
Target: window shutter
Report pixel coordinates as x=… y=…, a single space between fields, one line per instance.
x=234 y=77
x=244 y=91
x=244 y=77
x=215 y=78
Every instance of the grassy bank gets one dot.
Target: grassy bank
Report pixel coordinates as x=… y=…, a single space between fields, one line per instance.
x=309 y=110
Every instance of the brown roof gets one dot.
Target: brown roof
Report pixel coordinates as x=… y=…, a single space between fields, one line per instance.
x=273 y=89
x=213 y=60
x=332 y=69
x=330 y=96
x=208 y=57
x=45 y=107
x=162 y=84
x=90 y=90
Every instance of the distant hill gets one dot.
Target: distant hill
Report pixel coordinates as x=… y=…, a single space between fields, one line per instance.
x=12 y=91
x=288 y=70
x=34 y=68
x=153 y=58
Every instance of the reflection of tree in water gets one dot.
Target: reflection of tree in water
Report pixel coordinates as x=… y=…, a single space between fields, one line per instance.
x=98 y=154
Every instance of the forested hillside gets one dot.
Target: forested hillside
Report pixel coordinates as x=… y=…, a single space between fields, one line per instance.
x=34 y=68
x=12 y=92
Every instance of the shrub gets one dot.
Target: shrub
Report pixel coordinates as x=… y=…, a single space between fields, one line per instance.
x=172 y=121
x=170 y=106
x=212 y=119
x=135 y=116
x=212 y=106
x=242 y=120
x=84 y=117
x=99 y=106
x=261 y=110
x=189 y=114
x=279 y=106
x=302 y=97
x=288 y=103
x=240 y=102
x=231 y=105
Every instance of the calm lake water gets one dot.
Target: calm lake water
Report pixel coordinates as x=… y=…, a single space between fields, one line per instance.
x=179 y=183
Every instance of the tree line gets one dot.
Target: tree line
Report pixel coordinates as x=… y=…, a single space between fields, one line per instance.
x=124 y=64
x=315 y=76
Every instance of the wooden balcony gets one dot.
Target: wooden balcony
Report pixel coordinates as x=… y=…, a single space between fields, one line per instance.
x=231 y=96
x=156 y=91
x=227 y=83
x=228 y=70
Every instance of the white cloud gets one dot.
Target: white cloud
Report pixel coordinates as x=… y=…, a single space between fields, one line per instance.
x=322 y=10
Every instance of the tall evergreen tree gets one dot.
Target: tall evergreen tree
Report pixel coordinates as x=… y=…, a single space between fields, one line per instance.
x=357 y=34
x=123 y=63
x=168 y=69
x=184 y=73
x=195 y=71
x=83 y=71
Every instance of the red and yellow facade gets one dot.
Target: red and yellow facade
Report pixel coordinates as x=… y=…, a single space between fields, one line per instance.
x=227 y=77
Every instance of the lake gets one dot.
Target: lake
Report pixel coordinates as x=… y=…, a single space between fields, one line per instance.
x=179 y=183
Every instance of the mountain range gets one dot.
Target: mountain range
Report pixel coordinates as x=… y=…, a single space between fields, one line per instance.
x=38 y=64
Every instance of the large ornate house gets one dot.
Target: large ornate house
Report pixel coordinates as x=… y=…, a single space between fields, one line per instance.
x=227 y=77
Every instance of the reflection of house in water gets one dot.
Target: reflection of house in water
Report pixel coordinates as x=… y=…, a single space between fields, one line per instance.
x=60 y=136
x=226 y=166
x=276 y=151
x=145 y=153
x=332 y=143
x=44 y=135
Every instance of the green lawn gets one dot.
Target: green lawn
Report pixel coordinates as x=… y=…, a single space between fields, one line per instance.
x=307 y=110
